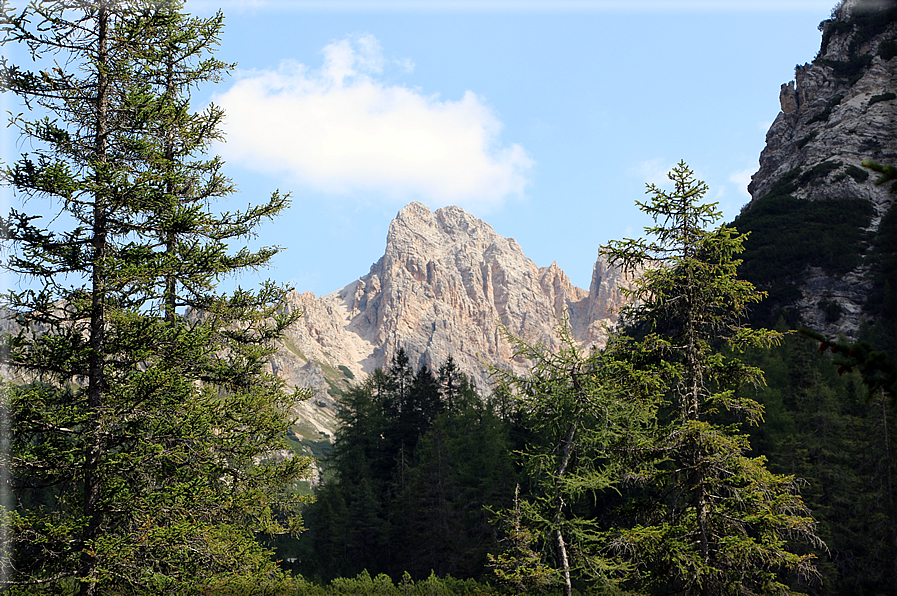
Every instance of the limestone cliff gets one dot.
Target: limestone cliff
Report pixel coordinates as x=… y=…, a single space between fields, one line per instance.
x=839 y=110
x=445 y=286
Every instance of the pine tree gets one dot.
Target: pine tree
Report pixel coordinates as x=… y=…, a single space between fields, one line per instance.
x=143 y=433
x=715 y=521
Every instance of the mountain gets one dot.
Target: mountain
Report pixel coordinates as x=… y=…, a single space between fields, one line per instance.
x=816 y=218
x=447 y=282
x=446 y=285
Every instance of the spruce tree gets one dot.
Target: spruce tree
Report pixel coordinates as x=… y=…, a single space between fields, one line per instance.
x=145 y=425
x=714 y=520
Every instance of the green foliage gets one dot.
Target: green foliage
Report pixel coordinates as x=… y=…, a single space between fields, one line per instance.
x=820 y=116
x=140 y=457
x=577 y=422
x=863 y=26
x=785 y=185
x=806 y=139
x=858 y=174
x=825 y=113
x=888 y=96
x=787 y=235
x=816 y=174
x=382 y=585
x=345 y=370
x=415 y=464
x=877 y=371
x=888 y=174
x=850 y=70
x=823 y=428
x=831 y=310
x=887 y=49
x=710 y=519
x=519 y=565
x=882 y=301
x=828 y=429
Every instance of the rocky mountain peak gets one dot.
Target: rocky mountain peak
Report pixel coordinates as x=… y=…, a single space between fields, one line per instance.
x=446 y=285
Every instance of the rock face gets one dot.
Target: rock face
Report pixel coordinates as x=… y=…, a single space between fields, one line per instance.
x=445 y=286
x=839 y=111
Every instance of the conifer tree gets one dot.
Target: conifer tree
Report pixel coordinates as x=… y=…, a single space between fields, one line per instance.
x=144 y=420
x=577 y=420
x=715 y=521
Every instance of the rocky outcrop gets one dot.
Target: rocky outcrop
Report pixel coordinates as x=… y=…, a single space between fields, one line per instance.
x=447 y=285
x=835 y=110
x=840 y=110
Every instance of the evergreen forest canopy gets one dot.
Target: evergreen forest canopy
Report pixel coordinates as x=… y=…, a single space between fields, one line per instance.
x=696 y=454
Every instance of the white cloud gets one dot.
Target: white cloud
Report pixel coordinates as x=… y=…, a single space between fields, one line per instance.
x=741 y=179
x=653 y=171
x=341 y=130
x=405 y=64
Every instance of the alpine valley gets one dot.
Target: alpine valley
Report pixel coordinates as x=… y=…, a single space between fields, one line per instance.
x=820 y=236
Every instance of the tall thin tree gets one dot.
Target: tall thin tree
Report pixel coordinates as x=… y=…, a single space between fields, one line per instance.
x=144 y=421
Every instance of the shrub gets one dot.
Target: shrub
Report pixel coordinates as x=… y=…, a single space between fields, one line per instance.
x=888 y=49
x=851 y=70
x=784 y=185
x=883 y=97
x=858 y=174
x=789 y=234
x=802 y=143
x=824 y=114
x=816 y=174
x=831 y=310
x=821 y=116
x=864 y=25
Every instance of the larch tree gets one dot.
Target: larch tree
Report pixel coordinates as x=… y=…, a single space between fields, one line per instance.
x=712 y=519
x=576 y=419
x=144 y=423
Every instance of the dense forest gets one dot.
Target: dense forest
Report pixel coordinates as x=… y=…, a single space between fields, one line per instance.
x=816 y=425
x=708 y=448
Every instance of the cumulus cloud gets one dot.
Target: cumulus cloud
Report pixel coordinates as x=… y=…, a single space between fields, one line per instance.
x=340 y=129
x=741 y=179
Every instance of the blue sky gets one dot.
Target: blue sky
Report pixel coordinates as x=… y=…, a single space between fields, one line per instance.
x=543 y=119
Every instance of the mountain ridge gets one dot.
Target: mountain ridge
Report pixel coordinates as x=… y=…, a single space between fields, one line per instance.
x=446 y=285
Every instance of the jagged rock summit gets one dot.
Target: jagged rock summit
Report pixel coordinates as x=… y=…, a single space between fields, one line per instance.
x=839 y=107
x=840 y=110
x=445 y=286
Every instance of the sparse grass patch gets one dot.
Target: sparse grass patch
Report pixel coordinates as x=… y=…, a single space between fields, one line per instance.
x=293 y=348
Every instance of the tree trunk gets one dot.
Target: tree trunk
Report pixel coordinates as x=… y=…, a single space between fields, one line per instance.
x=170 y=240
x=559 y=505
x=96 y=382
